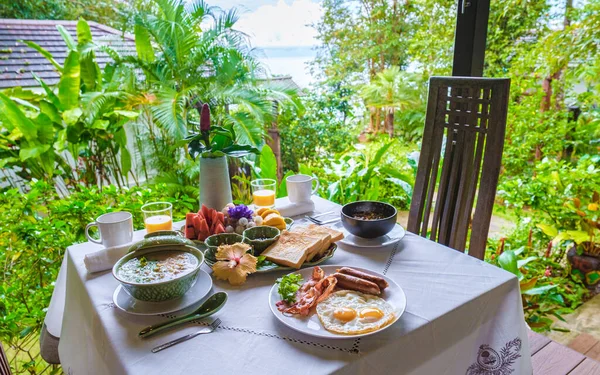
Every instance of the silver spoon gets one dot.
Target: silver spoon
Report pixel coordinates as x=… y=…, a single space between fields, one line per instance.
x=213 y=304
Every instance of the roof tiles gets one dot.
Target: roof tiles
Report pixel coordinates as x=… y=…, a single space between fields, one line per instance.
x=17 y=61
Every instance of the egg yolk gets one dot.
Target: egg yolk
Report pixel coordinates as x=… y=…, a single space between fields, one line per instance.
x=344 y=314
x=371 y=313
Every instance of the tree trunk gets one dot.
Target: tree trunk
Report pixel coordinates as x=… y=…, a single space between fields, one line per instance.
x=390 y=122
x=274 y=141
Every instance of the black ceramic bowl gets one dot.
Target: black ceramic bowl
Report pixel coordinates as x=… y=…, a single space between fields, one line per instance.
x=385 y=218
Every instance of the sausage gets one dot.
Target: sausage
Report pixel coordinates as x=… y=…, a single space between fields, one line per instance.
x=380 y=281
x=354 y=283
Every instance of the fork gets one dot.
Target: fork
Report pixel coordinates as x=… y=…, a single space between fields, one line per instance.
x=322 y=222
x=203 y=330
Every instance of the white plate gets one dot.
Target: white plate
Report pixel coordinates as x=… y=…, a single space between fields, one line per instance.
x=391 y=238
x=311 y=325
x=130 y=305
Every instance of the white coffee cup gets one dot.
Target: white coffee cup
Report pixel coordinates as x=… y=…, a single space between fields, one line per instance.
x=299 y=187
x=114 y=228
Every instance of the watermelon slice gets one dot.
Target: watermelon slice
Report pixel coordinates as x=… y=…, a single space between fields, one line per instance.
x=203 y=231
x=190 y=230
x=205 y=211
x=197 y=220
x=219 y=228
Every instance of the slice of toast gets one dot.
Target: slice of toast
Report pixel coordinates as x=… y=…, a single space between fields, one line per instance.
x=323 y=236
x=292 y=249
x=336 y=235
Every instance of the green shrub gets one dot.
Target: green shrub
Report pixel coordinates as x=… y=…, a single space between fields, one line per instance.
x=35 y=230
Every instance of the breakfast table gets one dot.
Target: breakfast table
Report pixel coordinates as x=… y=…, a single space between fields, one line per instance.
x=463 y=316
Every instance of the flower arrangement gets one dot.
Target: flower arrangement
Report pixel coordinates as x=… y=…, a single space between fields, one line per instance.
x=215 y=141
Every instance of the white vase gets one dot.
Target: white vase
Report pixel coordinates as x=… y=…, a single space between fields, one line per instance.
x=215 y=186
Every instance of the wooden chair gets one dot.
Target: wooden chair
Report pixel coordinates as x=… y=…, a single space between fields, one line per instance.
x=465 y=121
x=4 y=365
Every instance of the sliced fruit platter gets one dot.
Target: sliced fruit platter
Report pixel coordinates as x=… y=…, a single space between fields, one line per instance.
x=231 y=219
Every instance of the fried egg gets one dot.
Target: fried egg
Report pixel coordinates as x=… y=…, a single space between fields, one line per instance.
x=351 y=313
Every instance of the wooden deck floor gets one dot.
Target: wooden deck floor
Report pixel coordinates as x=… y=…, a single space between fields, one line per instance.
x=551 y=358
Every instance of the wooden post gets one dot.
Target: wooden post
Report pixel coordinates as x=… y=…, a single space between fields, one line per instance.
x=470 y=37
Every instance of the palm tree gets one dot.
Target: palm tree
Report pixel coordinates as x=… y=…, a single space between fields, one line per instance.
x=191 y=54
x=391 y=90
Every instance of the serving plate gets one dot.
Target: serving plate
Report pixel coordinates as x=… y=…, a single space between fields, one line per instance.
x=130 y=305
x=311 y=325
x=289 y=222
x=266 y=266
x=391 y=238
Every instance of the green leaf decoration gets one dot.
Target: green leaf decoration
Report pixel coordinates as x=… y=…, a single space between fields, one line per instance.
x=18 y=119
x=33 y=152
x=125 y=161
x=143 y=44
x=508 y=261
x=268 y=163
x=51 y=111
x=548 y=230
x=68 y=86
x=51 y=95
x=524 y=262
x=84 y=34
x=129 y=114
x=381 y=152
x=67 y=37
x=539 y=290
x=237 y=151
x=72 y=115
x=44 y=53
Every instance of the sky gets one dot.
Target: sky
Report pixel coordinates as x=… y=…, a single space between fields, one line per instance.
x=281 y=31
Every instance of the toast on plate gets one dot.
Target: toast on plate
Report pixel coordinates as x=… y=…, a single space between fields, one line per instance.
x=292 y=249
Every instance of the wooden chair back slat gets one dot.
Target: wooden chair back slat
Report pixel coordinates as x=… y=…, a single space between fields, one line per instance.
x=468 y=117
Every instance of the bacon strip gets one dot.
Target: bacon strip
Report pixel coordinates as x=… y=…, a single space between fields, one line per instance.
x=310 y=293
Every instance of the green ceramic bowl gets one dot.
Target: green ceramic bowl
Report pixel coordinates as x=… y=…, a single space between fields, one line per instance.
x=216 y=240
x=165 y=290
x=260 y=238
x=288 y=222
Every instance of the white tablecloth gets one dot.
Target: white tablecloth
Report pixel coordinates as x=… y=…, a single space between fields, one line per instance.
x=463 y=316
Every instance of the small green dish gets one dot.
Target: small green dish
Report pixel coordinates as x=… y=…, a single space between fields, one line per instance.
x=288 y=222
x=260 y=238
x=216 y=240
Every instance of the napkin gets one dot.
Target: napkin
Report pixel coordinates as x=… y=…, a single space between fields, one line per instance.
x=289 y=209
x=104 y=259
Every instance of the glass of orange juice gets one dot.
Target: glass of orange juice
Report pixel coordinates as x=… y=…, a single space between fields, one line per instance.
x=263 y=192
x=158 y=216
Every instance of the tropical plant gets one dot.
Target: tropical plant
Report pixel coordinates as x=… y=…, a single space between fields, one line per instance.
x=36 y=229
x=325 y=127
x=191 y=55
x=187 y=64
x=547 y=287
x=365 y=174
x=390 y=90
x=223 y=141
x=85 y=116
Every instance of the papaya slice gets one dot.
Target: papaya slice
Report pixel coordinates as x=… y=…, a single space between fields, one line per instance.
x=260 y=211
x=268 y=212
x=274 y=220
